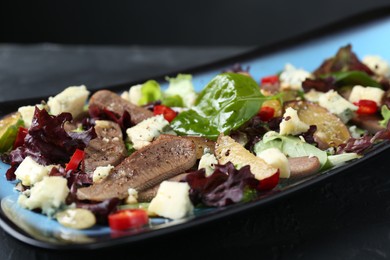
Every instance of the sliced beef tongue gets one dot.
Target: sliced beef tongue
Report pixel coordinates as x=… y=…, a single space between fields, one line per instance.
x=106 y=99
x=107 y=148
x=145 y=168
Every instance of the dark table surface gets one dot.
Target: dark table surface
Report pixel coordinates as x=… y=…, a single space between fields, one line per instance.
x=344 y=217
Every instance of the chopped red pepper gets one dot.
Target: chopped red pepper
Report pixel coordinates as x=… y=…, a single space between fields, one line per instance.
x=168 y=113
x=269 y=183
x=366 y=107
x=128 y=218
x=266 y=113
x=273 y=79
x=75 y=160
x=19 y=141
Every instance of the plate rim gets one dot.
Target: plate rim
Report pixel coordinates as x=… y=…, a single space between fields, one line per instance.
x=343 y=24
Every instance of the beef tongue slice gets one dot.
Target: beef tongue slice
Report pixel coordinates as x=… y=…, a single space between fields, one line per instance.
x=107 y=149
x=106 y=99
x=145 y=168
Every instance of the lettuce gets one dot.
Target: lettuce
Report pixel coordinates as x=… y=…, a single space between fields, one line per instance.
x=291 y=146
x=180 y=87
x=47 y=142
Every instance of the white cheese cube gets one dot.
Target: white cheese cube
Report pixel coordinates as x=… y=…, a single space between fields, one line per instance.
x=207 y=161
x=337 y=105
x=101 y=172
x=277 y=159
x=172 y=200
x=291 y=124
x=370 y=93
x=48 y=195
x=71 y=100
x=377 y=64
x=292 y=78
x=146 y=131
x=30 y=172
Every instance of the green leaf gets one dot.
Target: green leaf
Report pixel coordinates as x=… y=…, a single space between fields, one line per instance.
x=150 y=91
x=291 y=146
x=226 y=103
x=352 y=78
x=342 y=158
x=385 y=111
x=173 y=101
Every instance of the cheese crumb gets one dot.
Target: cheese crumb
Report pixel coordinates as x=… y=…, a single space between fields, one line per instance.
x=48 y=195
x=291 y=124
x=30 y=172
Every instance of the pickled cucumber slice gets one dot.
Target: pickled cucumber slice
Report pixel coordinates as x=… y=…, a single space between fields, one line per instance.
x=9 y=126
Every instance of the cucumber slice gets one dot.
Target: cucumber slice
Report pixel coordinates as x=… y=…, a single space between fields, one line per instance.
x=8 y=130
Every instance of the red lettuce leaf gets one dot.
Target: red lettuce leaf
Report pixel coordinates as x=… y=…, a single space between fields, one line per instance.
x=224 y=187
x=104 y=114
x=344 y=60
x=47 y=142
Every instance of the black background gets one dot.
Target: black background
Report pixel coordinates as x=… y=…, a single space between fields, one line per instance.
x=171 y=22
x=345 y=217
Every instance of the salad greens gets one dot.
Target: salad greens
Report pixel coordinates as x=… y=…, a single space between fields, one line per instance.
x=290 y=145
x=150 y=91
x=225 y=104
x=352 y=78
x=226 y=126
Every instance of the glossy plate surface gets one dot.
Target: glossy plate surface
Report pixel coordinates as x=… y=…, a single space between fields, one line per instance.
x=369 y=38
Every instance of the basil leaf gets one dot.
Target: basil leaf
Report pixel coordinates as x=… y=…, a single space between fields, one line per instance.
x=352 y=78
x=227 y=102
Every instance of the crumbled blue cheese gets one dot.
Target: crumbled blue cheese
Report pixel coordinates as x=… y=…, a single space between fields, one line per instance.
x=337 y=105
x=30 y=172
x=277 y=159
x=377 y=64
x=71 y=99
x=291 y=124
x=133 y=196
x=207 y=161
x=101 y=172
x=313 y=95
x=369 y=93
x=172 y=200
x=292 y=78
x=49 y=195
x=146 y=131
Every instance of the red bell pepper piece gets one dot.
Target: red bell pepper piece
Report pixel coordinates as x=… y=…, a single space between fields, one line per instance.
x=75 y=160
x=366 y=107
x=128 y=218
x=272 y=79
x=168 y=113
x=19 y=141
x=266 y=113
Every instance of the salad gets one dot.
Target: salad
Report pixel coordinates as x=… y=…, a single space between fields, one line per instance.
x=122 y=159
